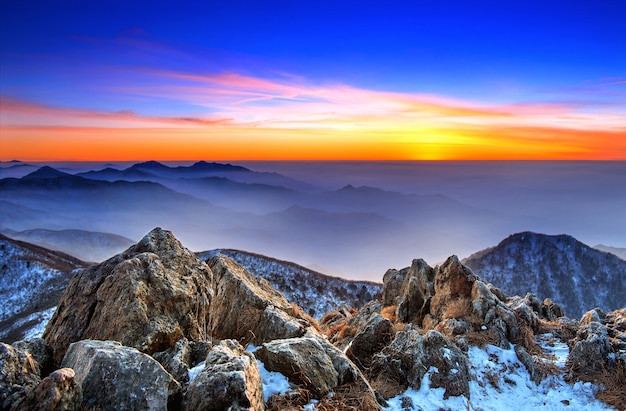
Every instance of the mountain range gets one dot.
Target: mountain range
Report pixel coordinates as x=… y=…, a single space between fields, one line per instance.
x=560 y=267
x=216 y=205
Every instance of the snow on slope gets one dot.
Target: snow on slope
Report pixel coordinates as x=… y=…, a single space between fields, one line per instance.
x=31 y=281
x=316 y=293
x=569 y=272
x=499 y=381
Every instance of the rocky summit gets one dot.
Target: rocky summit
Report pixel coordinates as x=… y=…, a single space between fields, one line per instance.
x=157 y=328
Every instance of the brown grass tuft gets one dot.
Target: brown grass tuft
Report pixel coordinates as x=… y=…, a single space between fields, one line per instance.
x=292 y=401
x=459 y=309
x=481 y=338
x=297 y=312
x=348 y=397
x=527 y=338
x=390 y=313
x=613 y=385
x=347 y=331
x=387 y=387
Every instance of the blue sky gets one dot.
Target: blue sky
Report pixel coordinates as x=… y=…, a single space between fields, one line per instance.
x=104 y=56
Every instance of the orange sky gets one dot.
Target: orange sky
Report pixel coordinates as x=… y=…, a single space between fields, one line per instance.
x=259 y=119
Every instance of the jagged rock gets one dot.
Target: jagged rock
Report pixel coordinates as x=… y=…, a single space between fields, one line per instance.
x=591 y=348
x=19 y=373
x=114 y=377
x=57 y=392
x=452 y=281
x=247 y=308
x=411 y=354
x=147 y=297
x=183 y=356
x=416 y=293
x=370 y=339
x=392 y=284
x=230 y=380
x=536 y=375
x=550 y=310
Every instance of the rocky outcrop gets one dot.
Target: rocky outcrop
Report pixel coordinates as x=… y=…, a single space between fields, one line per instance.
x=411 y=354
x=57 y=392
x=248 y=308
x=370 y=339
x=148 y=297
x=230 y=380
x=114 y=377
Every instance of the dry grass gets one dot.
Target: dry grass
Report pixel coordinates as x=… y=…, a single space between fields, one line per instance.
x=292 y=401
x=565 y=332
x=388 y=387
x=349 y=397
x=613 y=383
x=459 y=309
x=297 y=312
x=347 y=331
x=390 y=313
x=481 y=338
x=330 y=317
x=526 y=338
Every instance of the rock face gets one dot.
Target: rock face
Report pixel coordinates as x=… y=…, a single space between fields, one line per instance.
x=148 y=297
x=230 y=380
x=183 y=356
x=248 y=308
x=114 y=377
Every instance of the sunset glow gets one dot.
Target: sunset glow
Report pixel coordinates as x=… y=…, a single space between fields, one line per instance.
x=139 y=96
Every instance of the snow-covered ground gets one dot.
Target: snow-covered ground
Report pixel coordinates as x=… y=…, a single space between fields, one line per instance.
x=499 y=381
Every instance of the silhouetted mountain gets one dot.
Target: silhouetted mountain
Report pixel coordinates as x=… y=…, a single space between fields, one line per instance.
x=32 y=279
x=559 y=267
x=158 y=172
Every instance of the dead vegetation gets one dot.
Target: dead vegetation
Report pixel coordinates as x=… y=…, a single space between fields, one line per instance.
x=297 y=312
x=390 y=312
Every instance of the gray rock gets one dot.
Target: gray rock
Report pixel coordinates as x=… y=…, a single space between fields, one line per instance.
x=114 y=377
x=230 y=380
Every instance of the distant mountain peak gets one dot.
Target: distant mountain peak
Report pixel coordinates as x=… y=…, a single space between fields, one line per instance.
x=46 y=172
x=213 y=166
x=150 y=165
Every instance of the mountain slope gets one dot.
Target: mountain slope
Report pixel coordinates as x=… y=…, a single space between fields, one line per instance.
x=316 y=293
x=32 y=279
x=85 y=245
x=559 y=267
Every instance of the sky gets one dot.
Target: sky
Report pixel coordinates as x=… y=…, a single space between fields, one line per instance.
x=324 y=80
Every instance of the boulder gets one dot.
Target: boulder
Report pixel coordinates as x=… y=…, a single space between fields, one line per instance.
x=114 y=377
x=249 y=309
x=57 y=392
x=230 y=380
x=312 y=362
x=303 y=360
x=147 y=297
x=370 y=339
x=591 y=349
x=19 y=373
x=411 y=354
